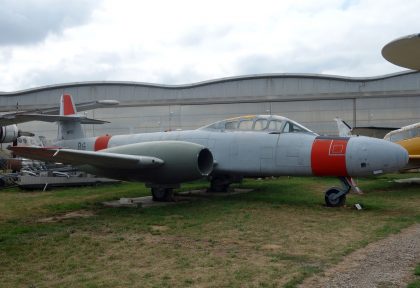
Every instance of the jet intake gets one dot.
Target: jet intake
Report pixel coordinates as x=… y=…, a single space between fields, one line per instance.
x=205 y=162
x=8 y=133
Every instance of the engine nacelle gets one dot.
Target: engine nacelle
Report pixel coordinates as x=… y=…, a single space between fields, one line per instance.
x=8 y=133
x=183 y=161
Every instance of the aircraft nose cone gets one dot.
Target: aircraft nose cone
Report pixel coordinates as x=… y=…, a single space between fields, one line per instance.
x=367 y=156
x=402 y=157
x=398 y=156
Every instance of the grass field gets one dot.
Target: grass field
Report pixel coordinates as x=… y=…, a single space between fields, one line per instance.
x=275 y=236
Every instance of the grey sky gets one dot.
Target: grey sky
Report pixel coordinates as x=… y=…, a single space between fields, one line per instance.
x=45 y=42
x=30 y=21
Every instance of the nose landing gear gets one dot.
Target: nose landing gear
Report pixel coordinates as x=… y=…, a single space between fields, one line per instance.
x=336 y=197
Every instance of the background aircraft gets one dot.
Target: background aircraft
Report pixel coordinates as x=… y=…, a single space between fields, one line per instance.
x=248 y=146
x=407 y=136
x=9 y=131
x=404 y=51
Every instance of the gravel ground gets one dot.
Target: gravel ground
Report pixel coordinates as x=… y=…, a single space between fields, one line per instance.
x=387 y=263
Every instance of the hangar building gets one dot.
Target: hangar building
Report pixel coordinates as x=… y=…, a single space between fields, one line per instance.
x=314 y=100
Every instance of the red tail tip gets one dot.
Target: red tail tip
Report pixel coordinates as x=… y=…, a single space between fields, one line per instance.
x=68 y=105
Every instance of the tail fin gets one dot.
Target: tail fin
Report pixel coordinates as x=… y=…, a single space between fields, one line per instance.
x=66 y=105
x=344 y=129
x=72 y=128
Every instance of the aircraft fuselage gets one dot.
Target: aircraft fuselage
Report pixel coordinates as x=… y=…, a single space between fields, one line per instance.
x=260 y=154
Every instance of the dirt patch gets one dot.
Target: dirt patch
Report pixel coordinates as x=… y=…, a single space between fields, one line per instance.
x=70 y=215
x=159 y=228
x=385 y=263
x=270 y=247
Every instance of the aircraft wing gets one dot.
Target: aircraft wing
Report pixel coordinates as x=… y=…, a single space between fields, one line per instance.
x=81 y=157
x=21 y=118
x=35 y=115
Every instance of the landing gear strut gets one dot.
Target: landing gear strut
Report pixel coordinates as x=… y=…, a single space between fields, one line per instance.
x=336 y=197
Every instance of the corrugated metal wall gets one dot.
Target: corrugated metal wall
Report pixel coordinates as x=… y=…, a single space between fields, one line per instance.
x=313 y=100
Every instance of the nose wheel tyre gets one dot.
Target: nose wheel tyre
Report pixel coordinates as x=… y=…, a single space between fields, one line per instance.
x=335 y=197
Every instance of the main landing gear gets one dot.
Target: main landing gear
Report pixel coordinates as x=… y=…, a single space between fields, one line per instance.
x=221 y=183
x=163 y=193
x=336 y=197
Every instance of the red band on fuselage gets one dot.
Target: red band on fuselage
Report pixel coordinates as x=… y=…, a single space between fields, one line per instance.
x=102 y=142
x=68 y=105
x=328 y=157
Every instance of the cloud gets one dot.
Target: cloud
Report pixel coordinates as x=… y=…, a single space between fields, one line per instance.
x=31 y=21
x=343 y=39
x=202 y=34
x=177 y=42
x=80 y=67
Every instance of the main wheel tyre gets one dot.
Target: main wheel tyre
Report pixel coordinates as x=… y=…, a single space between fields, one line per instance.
x=331 y=199
x=219 y=188
x=162 y=194
x=219 y=185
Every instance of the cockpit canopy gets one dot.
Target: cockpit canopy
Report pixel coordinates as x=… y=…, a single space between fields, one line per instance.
x=262 y=123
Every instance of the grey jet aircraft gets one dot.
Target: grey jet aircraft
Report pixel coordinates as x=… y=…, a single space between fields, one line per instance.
x=247 y=146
